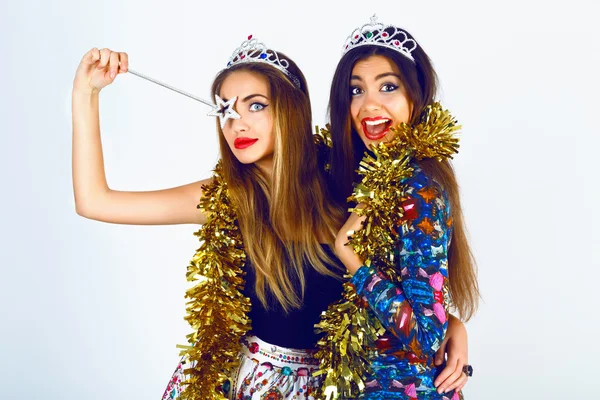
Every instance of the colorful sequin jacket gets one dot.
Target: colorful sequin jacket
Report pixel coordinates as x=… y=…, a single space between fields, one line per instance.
x=415 y=311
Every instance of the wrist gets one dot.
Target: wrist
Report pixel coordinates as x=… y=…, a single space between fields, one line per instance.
x=351 y=260
x=84 y=93
x=353 y=266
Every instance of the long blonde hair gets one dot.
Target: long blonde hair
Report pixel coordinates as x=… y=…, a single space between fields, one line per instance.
x=283 y=218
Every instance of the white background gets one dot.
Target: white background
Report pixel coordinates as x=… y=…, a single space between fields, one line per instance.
x=93 y=311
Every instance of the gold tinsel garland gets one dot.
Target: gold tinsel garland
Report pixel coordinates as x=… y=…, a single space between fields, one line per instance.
x=217 y=310
x=350 y=332
x=322 y=139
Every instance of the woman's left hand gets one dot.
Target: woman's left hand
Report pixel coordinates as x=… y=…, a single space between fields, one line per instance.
x=456 y=345
x=346 y=254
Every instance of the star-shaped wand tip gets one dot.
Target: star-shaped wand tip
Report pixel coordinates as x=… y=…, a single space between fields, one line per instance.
x=224 y=110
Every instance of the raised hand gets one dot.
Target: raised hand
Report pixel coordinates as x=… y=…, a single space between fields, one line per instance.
x=99 y=68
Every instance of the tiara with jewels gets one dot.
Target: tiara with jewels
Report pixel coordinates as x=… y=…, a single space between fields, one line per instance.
x=252 y=50
x=377 y=34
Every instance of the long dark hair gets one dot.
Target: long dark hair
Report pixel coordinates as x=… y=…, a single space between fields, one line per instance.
x=420 y=81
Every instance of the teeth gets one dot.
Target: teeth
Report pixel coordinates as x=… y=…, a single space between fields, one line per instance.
x=376 y=122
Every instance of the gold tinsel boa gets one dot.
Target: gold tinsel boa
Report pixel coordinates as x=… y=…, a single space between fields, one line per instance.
x=217 y=310
x=350 y=332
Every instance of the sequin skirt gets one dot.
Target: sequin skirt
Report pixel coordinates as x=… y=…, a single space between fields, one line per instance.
x=266 y=372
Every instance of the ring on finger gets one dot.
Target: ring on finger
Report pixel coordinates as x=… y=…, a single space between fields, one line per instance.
x=467 y=370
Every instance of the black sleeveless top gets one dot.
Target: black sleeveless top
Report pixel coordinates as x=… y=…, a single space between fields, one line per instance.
x=296 y=328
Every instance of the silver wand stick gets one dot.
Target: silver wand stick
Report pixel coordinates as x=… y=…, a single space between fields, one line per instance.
x=146 y=77
x=223 y=110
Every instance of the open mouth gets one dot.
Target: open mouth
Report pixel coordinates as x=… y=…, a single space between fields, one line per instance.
x=376 y=128
x=243 y=142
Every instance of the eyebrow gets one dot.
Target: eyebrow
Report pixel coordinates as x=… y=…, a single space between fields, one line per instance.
x=248 y=97
x=385 y=74
x=254 y=95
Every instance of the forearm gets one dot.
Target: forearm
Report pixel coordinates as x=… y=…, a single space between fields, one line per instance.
x=404 y=313
x=89 y=178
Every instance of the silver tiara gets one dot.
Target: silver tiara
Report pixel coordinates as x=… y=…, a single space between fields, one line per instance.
x=377 y=34
x=252 y=50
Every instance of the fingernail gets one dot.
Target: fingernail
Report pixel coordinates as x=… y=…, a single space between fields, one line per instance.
x=112 y=75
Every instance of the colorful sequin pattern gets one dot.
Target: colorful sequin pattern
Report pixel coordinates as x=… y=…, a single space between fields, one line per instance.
x=174 y=387
x=266 y=372
x=415 y=312
x=269 y=372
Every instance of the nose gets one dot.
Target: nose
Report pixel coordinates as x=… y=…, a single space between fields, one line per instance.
x=371 y=101
x=239 y=125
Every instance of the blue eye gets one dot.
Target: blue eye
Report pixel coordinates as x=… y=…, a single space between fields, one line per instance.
x=388 y=87
x=355 y=90
x=257 y=107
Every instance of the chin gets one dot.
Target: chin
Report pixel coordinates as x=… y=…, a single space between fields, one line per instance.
x=250 y=157
x=246 y=160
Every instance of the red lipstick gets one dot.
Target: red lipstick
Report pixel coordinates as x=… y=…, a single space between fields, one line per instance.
x=375 y=128
x=243 y=142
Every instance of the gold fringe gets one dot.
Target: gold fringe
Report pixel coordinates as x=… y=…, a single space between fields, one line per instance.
x=322 y=139
x=217 y=310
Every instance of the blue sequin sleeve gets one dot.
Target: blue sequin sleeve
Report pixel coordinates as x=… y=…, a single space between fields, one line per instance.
x=416 y=310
